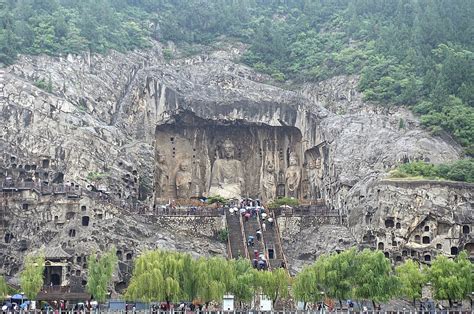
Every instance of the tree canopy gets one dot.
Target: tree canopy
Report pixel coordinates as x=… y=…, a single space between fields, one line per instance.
x=31 y=278
x=407 y=52
x=100 y=271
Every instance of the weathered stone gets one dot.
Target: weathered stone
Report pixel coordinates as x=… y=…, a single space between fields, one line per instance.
x=112 y=121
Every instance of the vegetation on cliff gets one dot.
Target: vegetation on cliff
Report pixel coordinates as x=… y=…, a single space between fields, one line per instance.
x=407 y=52
x=461 y=170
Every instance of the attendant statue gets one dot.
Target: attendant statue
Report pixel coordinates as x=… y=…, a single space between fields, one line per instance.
x=227 y=174
x=269 y=184
x=161 y=176
x=183 y=180
x=292 y=177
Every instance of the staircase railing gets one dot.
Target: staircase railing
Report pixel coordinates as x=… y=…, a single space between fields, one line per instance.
x=277 y=229
x=243 y=237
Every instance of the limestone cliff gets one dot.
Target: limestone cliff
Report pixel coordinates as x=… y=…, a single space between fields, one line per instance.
x=103 y=122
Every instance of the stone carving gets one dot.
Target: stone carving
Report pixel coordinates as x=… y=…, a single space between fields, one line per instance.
x=162 y=177
x=313 y=168
x=183 y=180
x=292 y=177
x=196 y=186
x=227 y=174
x=269 y=184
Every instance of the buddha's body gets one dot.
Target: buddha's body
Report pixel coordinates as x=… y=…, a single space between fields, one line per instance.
x=226 y=177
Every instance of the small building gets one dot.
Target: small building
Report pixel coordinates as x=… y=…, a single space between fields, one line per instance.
x=56 y=262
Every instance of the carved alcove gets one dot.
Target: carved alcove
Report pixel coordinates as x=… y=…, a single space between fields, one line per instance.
x=189 y=149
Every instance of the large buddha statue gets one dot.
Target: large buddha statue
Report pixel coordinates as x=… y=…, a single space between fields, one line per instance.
x=183 y=180
x=227 y=174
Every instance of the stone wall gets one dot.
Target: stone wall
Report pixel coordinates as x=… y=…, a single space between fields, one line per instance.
x=305 y=238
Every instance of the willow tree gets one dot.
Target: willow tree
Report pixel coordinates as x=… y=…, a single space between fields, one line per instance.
x=306 y=285
x=214 y=278
x=100 y=271
x=452 y=279
x=157 y=276
x=32 y=276
x=411 y=280
x=274 y=284
x=3 y=288
x=372 y=279
x=242 y=286
x=338 y=272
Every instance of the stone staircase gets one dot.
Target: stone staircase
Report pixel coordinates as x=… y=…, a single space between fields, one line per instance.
x=270 y=244
x=274 y=249
x=250 y=228
x=236 y=242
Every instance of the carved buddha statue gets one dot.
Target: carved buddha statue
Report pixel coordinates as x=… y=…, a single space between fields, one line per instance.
x=269 y=182
x=293 y=176
x=227 y=174
x=183 y=180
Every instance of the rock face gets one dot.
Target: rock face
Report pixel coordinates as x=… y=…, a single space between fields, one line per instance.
x=144 y=131
x=81 y=225
x=413 y=219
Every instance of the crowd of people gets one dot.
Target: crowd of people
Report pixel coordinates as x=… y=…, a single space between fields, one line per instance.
x=251 y=209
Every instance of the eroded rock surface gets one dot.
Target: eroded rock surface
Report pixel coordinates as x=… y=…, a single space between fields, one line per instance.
x=104 y=124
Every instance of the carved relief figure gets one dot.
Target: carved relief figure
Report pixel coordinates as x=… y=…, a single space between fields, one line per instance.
x=227 y=174
x=293 y=176
x=269 y=184
x=183 y=180
x=312 y=177
x=196 y=187
x=162 y=177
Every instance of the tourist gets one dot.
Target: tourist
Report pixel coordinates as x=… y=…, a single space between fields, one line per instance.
x=270 y=222
x=247 y=216
x=259 y=235
x=264 y=227
x=255 y=263
x=250 y=241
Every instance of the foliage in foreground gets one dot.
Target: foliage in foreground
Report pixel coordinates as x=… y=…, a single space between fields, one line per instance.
x=172 y=276
x=461 y=170
x=368 y=275
x=3 y=288
x=31 y=278
x=100 y=274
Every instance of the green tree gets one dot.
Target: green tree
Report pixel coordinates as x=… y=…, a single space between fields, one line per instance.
x=339 y=271
x=3 y=288
x=100 y=271
x=274 y=284
x=372 y=279
x=451 y=279
x=411 y=280
x=242 y=285
x=306 y=285
x=31 y=278
x=158 y=276
x=215 y=277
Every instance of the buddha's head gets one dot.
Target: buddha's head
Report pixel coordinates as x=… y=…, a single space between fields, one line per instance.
x=228 y=148
x=293 y=159
x=270 y=167
x=160 y=157
x=184 y=165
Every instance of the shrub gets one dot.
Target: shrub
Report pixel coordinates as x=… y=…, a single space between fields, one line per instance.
x=281 y=201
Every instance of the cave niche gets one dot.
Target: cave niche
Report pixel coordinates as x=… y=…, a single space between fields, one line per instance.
x=389 y=223
x=190 y=149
